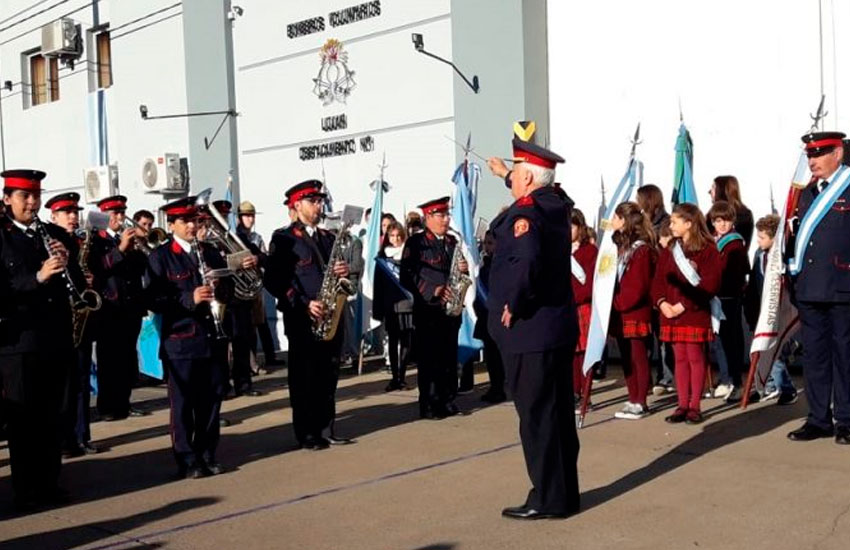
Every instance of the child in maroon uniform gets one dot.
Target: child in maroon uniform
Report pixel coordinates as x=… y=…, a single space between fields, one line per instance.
x=583 y=265
x=734 y=266
x=686 y=279
x=631 y=317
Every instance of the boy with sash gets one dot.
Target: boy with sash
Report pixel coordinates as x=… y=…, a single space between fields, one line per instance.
x=819 y=266
x=734 y=266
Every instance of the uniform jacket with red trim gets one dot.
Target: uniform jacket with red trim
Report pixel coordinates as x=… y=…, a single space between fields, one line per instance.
x=669 y=284
x=118 y=275
x=33 y=316
x=528 y=275
x=734 y=267
x=825 y=276
x=294 y=273
x=425 y=264
x=586 y=258
x=632 y=297
x=187 y=328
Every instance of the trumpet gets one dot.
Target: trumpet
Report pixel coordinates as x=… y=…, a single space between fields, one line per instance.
x=152 y=240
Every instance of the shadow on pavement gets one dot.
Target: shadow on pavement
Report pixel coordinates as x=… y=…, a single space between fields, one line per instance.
x=81 y=535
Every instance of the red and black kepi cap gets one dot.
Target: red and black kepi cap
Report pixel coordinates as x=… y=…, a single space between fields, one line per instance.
x=25 y=179
x=436 y=205
x=304 y=190
x=115 y=202
x=821 y=143
x=64 y=201
x=181 y=208
x=535 y=154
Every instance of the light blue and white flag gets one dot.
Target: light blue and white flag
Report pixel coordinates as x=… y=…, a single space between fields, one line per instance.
x=371 y=248
x=228 y=196
x=466 y=179
x=605 y=271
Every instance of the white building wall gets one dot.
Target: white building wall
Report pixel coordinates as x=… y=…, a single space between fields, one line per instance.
x=60 y=137
x=403 y=100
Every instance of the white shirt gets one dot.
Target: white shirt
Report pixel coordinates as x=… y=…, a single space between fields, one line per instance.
x=310 y=230
x=23 y=227
x=113 y=234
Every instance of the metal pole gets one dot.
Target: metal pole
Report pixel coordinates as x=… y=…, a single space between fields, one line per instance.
x=820 y=40
x=2 y=140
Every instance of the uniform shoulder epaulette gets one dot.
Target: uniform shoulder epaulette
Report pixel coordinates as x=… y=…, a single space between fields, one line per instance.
x=176 y=248
x=103 y=234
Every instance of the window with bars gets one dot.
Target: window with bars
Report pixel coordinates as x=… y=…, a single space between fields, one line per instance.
x=104 y=60
x=43 y=79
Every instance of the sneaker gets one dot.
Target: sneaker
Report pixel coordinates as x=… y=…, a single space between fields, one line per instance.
x=722 y=391
x=734 y=396
x=787 y=399
x=632 y=411
x=658 y=389
x=772 y=394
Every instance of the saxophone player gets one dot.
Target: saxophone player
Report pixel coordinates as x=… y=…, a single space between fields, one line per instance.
x=194 y=359
x=295 y=269
x=65 y=212
x=425 y=266
x=119 y=268
x=36 y=343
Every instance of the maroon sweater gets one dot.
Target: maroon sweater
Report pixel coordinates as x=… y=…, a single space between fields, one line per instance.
x=586 y=257
x=670 y=285
x=734 y=266
x=632 y=299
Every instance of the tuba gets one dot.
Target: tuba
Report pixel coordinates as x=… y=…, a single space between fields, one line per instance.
x=334 y=290
x=457 y=282
x=247 y=282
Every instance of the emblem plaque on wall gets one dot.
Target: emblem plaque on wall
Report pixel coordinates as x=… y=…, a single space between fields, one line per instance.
x=335 y=80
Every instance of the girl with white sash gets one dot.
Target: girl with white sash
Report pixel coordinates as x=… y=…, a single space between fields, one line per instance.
x=631 y=317
x=686 y=280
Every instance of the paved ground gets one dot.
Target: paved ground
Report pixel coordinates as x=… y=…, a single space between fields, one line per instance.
x=733 y=482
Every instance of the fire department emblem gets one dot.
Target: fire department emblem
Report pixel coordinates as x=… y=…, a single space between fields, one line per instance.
x=335 y=80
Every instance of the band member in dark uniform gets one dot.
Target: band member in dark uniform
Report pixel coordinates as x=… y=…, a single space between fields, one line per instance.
x=820 y=270
x=240 y=321
x=194 y=358
x=65 y=212
x=295 y=269
x=118 y=268
x=36 y=344
x=425 y=265
x=533 y=320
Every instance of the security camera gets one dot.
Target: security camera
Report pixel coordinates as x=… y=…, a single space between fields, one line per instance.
x=143 y=109
x=235 y=11
x=418 y=41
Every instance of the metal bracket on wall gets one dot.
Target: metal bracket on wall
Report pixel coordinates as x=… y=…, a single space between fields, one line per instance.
x=419 y=45
x=143 y=110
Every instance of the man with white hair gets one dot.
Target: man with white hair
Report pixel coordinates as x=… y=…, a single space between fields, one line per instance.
x=532 y=319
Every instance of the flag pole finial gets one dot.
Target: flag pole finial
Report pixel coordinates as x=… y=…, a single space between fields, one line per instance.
x=636 y=139
x=817 y=118
x=681 y=116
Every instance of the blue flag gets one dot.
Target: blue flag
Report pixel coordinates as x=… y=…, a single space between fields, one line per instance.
x=371 y=248
x=683 y=176
x=466 y=178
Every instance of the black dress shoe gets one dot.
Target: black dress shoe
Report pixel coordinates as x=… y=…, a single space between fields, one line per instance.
x=195 y=471
x=111 y=417
x=89 y=449
x=392 y=386
x=73 y=452
x=522 y=512
x=842 y=435
x=315 y=443
x=250 y=392
x=223 y=422
x=452 y=409
x=809 y=432
x=678 y=416
x=334 y=440
x=694 y=417
x=214 y=468
x=493 y=397
x=134 y=412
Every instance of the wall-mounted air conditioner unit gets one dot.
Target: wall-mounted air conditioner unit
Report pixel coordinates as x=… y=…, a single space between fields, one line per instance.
x=59 y=38
x=100 y=182
x=162 y=173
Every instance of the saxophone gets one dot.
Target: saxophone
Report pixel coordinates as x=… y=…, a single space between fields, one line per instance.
x=80 y=316
x=458 y=283
x=334 y=290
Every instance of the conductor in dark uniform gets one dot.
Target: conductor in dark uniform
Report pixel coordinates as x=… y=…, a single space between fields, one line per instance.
x=118 y=267
x=532 y=319
x=295 y=269
x=36 y=344
x=194 y=358
x=65 y=212
x=819 y=266
x=425 y=265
